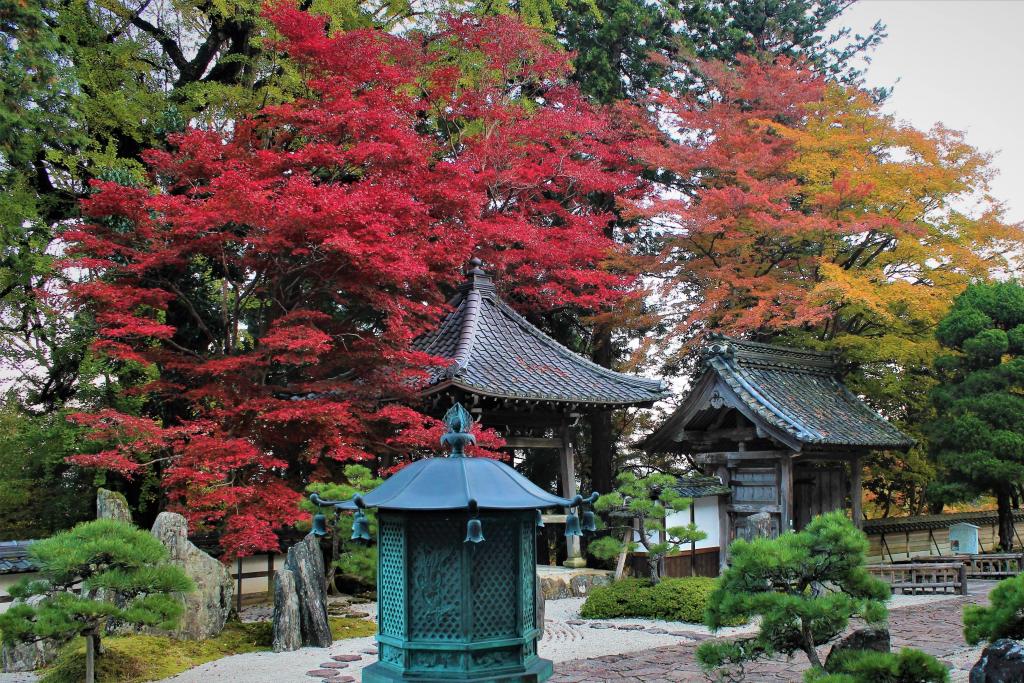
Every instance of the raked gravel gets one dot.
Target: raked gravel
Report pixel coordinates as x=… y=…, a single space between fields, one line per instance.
x=566 y=637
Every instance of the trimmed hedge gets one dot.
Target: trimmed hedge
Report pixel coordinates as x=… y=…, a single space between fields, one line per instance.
x=671 y=599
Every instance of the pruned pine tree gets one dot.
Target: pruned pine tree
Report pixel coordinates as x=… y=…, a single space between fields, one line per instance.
x=95 y=573
x=645 y=502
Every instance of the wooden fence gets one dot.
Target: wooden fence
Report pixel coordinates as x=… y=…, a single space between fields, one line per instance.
x=906 y=538
x=702 y=563
x=922 y=577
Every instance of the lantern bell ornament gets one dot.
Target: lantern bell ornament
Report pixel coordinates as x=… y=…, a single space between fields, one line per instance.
x=319 y=525
x=360 y=527
x=454 y=604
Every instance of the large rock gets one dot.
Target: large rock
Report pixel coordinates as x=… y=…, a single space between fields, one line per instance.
x=557 y=583
x=1001 y=662
x=112 y=505
x=287 y=624
x=869 y=638
x=207 y=608
x=28 y=656
x=307 y=564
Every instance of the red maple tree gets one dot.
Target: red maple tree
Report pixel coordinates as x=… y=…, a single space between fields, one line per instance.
x=275 y=276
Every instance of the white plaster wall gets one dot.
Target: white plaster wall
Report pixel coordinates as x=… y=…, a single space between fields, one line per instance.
x=705 y=512
x=252 y=565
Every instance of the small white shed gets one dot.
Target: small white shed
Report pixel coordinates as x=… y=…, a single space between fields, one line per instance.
x=963 y=538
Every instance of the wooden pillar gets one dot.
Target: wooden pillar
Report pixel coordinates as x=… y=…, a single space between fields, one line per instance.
x=856 y=492
x=786 y=493
x=724 y=526
x=567 y=470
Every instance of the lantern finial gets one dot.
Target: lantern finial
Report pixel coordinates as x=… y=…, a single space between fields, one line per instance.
x=459 y=422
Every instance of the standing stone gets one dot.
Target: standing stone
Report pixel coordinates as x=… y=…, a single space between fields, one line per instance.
x=112 y=505
x=307 y=563
x=208 y=606
x=1001 y=662
x=287 y=625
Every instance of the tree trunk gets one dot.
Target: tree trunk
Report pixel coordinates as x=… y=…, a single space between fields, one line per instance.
x=602 y=436
x=602 y=452
x=332 y=567
x=809 y=649
x=1005 y=519
x=90 y=657
x=652 y=566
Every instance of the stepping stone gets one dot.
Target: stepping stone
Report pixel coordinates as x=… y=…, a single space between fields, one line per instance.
x=631 y=627
x=369 y=651
x=657 y=631
x=323 y=673
x=575 y=622
x=346 y=658
x=333 y=665
x=601 y=626
x=343 y=679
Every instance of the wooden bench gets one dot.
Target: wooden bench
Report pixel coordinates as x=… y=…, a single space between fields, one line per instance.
x=923 y=577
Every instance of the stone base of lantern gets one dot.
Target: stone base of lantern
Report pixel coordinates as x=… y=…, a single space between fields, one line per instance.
x=539 y=670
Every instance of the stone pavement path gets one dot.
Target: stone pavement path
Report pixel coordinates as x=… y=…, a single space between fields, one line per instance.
x=935 y=628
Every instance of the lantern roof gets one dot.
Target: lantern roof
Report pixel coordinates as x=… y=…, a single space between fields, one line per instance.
x=456 y=482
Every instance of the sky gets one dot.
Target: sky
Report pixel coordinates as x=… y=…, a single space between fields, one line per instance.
x=961 y=63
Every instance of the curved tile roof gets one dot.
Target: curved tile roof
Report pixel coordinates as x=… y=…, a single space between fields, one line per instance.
x=496 y=352
x=792 y=392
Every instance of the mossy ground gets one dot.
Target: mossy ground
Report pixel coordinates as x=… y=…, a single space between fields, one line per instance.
x=135 y=659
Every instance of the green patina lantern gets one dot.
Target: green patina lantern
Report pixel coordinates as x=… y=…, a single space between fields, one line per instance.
x=456 y=581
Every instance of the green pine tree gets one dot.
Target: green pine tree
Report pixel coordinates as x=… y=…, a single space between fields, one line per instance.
x=95 y=573
x=805 y=587
x=977 y=438
x=647 y=501
x=353 y=559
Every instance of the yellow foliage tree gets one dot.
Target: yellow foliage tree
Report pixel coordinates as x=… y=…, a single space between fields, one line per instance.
x=863 y=230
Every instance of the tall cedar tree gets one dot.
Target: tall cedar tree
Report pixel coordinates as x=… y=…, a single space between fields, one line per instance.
x=298 y=256
x=978 y=436
x=804 y=215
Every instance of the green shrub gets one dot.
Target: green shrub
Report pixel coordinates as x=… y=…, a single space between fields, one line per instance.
x=671 y=599
x=866 y=666
x=1003 y=619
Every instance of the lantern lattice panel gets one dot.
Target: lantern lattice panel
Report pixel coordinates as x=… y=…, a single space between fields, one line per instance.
x=435 y=569
x=391 y=583
x=492 y=581
x=528 y=572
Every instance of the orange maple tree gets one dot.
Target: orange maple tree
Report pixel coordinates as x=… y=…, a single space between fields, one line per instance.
x=801 y=213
